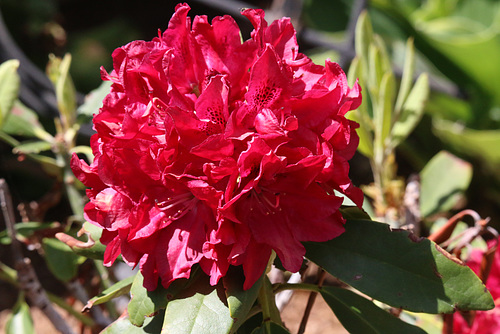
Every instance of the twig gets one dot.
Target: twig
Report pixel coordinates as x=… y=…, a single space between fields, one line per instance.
x=26 y=275
x=310 y=303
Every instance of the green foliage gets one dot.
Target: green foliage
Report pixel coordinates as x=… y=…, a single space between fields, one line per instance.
x=20 y=321
x=443 y=182
x=361 y=316
x=9 y=88
x=61 y=260
x=116 y=290
x=399 y=269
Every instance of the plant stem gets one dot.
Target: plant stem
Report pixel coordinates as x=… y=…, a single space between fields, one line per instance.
x=267 y=302
x=310 y=302
x=278 y=287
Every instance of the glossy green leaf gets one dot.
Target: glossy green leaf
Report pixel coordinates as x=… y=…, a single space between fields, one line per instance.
x=200 y=313
x=361 y=316
x=399 y=269
x=28 y=147
x=239 y=301
x=9 y=87
x=61 y=260
x=116 y=290
x=124 y=326
x=442 y=183
x=145 y=303
x=411 y=112
x=482 y=144
x=20 y=321
x=375 y=71
x=271 y=328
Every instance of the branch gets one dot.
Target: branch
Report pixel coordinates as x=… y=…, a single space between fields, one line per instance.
x=26 y=276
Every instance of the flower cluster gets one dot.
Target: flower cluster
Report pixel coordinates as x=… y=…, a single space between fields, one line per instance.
x=483 y=322
x=214 y=151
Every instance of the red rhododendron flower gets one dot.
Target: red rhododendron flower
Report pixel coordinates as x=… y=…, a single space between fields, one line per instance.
x=214 y=151
x=484 y=322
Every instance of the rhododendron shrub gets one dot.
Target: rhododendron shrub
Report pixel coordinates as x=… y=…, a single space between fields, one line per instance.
x=216 y=152
x=482 y=322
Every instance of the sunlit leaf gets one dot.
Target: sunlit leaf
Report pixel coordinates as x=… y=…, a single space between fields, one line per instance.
x=23 y=121
x=411 y=112
x=407 y=79
x=442 y=183
x=28 y=147
x=399 y=269
x=20 y=321
x=9 y=87
x=123 y=326
x=58 y=72
x=200 y=313
x=93 y=102
x=360 y=316
x=116 y=290
x=239 y=301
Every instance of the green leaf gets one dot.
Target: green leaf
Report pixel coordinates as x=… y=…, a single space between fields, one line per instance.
x=25 y=230
x=20 y=321
x=360 y=316
x=383 y=114
x=61 y=260
x=98 y=249
x=58 y=72
x=407 y=79
x=442 y=182
x=93 y=102
x=116 y=290
x=271 y=328
x=23 y=121
x=482 y=144
x=363 y=39
x=9 y=87
x=145 y=303
x=412 y=111
x=239 y=301
x=124 y=326
x=400 y=270
x=28 y=147
x=200 y=313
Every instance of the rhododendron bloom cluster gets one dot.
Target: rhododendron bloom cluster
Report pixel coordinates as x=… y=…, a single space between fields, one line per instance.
x=214 y=151
x=483 y=322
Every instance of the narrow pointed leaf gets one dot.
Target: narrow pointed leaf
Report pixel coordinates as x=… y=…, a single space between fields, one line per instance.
x=412 y=111
x=407 y=79
x=93 y=102
x=361 y=316
x=363 y=38
x=116 y=290
x=200 y=313
x=398 y=269
x=9 y=87
x=383 y=117
x=443 y=181
x=58 y=72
